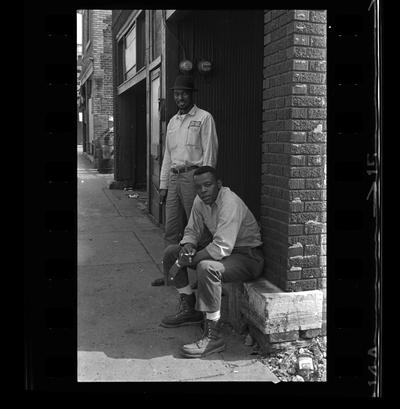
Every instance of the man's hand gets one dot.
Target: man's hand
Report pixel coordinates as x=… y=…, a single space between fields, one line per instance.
x=186 y=254
x=189 y=249
x=163 y=195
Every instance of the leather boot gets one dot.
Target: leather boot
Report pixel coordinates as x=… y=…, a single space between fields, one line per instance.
x=186 y=314
x=211 y=342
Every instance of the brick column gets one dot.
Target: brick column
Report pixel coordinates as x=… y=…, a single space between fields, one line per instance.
x=102 y=92
x=294 y=149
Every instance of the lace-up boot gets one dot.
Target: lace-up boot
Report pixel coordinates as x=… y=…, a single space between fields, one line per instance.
x=186 y=314
x=211 y=342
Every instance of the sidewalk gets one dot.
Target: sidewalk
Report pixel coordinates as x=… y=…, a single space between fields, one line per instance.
x=119 y=337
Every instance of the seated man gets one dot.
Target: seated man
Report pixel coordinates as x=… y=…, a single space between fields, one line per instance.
x=232 y=254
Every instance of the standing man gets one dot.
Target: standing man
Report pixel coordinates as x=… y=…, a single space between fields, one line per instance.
x=233 y=254
x=191 y=142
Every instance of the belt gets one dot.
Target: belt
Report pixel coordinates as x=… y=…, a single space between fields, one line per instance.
x=260 y=247
x=182 y=169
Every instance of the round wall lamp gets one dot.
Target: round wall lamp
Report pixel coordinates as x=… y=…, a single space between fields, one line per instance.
x=185 y=66
x=204 y=66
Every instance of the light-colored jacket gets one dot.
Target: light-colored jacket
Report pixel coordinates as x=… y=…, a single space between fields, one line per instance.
x=191 y=140
x=228 y=219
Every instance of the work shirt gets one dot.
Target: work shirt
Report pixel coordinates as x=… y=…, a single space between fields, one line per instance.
x=229 y=221
x=191 y=141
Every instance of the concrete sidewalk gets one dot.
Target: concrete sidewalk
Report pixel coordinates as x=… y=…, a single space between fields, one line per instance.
x=119 y=337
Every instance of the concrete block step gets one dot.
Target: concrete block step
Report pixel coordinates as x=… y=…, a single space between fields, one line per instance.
x=277 y=316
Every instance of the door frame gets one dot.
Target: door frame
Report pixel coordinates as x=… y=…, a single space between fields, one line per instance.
x=153 y=75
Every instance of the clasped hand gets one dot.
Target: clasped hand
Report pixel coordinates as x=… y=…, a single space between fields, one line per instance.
x=186 y=255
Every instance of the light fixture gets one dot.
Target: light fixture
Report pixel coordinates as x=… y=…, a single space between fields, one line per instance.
x=185 y=66
x=204 y=66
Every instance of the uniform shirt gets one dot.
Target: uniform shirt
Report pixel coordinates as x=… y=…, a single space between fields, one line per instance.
x=191 y=140
x=229 y=220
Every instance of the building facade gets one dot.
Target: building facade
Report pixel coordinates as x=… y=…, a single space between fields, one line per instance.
x=96 y=83
x=78 y=85
x=262 y=75
x=139 y=101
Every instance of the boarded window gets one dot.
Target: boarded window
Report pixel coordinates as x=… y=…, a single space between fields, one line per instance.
x=130 y=53
x=134 y=51
x=156 y=21
x=140 y=40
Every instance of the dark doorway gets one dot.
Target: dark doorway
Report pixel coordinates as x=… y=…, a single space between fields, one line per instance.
x=140 y=137
x=233 y=41
x=133 y=134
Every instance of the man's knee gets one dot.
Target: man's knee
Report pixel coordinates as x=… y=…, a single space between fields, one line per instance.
x=206 y=269
x=203 y=265
x=172 y=251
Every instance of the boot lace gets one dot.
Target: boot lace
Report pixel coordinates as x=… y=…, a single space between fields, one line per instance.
x=183 y=305
x=209 y=332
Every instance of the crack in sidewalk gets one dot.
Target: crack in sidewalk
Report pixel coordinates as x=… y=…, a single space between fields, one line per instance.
x=148 y=253
x=105 y=189
x=137 y=237
x=204 y=377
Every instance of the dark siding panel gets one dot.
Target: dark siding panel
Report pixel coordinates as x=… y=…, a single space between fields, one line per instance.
x=233 y=41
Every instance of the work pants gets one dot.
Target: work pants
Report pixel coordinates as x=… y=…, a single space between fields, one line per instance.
x=244 y=264
x=180 y=197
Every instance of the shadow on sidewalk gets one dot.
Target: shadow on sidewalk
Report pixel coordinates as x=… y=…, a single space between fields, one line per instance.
x=120 y=312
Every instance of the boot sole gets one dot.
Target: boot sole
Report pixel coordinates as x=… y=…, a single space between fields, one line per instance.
x=219 y=349
x=183 y=324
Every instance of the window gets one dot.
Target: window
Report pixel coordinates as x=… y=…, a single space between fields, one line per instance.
x=156 y=21
x=88 y=88
x=134 y=48
x=130 y=53
x=140 y=39
x=87 y=28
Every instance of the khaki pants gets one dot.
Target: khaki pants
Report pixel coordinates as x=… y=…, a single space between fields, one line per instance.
x=181 y=194
x=244 y=264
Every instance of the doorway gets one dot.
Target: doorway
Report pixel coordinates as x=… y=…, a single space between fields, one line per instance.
x=232 y=40
x=155 y=146
x=133 y=135
x=139 y=137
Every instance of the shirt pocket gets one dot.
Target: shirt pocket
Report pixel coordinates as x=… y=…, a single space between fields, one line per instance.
x=171 y=139
x=193 y=136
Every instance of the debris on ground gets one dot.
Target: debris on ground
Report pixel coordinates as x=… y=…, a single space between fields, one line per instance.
x=295 y=364
x=141 y=199
x=255 y=350
x=141 y=196
x=249 y=340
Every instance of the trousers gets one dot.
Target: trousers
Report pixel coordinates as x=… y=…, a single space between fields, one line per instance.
x=244 y=264
x=180 y=197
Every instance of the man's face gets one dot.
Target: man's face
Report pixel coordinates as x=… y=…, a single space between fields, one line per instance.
x=207 y=187
x=183 y=99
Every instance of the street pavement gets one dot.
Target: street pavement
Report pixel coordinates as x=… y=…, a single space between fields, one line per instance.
x=119 y=336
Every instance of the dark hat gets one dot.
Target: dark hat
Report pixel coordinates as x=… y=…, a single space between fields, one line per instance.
x=184 y=82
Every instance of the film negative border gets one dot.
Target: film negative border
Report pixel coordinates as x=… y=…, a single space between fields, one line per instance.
x=354 y=319
x=353 y=210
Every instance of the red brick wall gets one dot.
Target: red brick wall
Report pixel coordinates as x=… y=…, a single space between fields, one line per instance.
x=294 y=149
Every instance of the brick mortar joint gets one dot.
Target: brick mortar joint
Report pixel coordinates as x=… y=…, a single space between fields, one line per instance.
x=292 y=35
x=292 y=21
x=291 y=46
x=293 y=83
